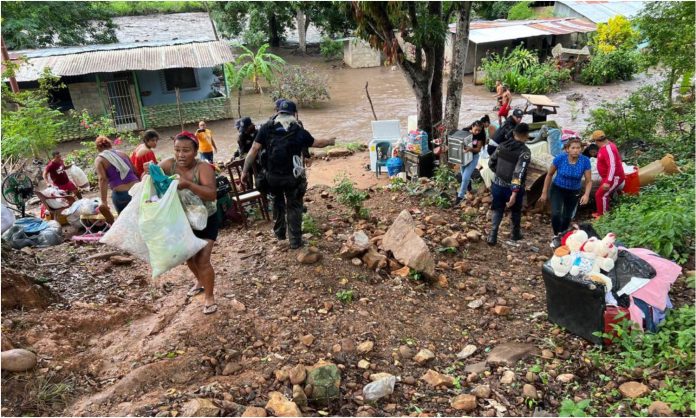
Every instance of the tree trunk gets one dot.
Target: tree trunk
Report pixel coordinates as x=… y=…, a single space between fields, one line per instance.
x=457 y=67
x=301 y=31
x=438 y=61
x=273 y=29
x=239 y=102
x=670 y=85
x=420 y=84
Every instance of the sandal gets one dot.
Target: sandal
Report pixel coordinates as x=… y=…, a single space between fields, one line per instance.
x=209 y=309
x=194 y=291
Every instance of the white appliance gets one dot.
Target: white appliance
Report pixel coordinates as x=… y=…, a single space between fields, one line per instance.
x=383 y=131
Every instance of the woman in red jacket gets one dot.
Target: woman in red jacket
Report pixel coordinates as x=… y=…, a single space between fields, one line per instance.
x=610 y=170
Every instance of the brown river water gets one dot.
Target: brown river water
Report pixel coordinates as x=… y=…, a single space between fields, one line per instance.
x=347 y=116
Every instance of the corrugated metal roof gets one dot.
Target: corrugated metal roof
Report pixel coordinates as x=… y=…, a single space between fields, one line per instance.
x=124 y=57
x=486 y=31
x=602 y=11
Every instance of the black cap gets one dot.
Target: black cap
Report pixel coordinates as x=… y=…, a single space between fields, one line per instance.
x=243 y=123
x=287 y=107
x=522 y=129
x=518 y=113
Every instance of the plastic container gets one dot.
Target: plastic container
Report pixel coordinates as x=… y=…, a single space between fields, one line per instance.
x=632 y=183
x=394 y=165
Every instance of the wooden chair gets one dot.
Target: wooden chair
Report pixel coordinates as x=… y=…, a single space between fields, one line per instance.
x=244 y=194
x=55 y=213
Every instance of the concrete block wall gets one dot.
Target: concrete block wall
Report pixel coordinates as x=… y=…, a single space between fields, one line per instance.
x=359 y=54
x=159 y=116
x=86 y=96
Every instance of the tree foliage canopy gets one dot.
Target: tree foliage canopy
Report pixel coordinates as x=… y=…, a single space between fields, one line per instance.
x=46 y=23
x=616 y=33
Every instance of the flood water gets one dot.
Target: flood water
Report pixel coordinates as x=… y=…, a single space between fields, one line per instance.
x=347 y=116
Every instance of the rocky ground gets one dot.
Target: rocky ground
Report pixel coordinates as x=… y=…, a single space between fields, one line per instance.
x=292 y=338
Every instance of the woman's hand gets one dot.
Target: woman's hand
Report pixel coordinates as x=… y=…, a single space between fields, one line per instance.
x=584 y=199
x=605 y=186
x=544 y=197
x=184 y=184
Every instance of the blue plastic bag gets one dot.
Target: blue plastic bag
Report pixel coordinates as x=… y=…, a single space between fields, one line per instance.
x=160 y=180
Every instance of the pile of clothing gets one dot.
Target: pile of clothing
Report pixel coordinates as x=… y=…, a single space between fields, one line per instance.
x=33 y=232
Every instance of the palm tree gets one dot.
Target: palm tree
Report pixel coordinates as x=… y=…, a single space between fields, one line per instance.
x=234 y=79
x=261 y=64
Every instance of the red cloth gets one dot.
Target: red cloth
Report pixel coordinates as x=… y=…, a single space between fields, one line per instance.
x=138 y=162
x=504 y=110
x=609 y=163
x=56 y=171
x=68 y=187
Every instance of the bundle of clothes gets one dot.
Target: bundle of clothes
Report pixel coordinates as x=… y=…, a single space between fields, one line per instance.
x=636 y=281
x=33 y=232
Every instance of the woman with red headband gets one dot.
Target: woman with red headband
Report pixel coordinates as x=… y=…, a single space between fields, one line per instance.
x=199 y=177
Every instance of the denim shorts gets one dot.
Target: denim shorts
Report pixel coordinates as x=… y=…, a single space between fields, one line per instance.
x=120 y=200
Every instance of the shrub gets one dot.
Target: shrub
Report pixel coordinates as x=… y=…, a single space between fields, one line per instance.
x=253 y=39
x=617 y=33
x=661 y=218
x=521 y=71
x=330 y=49
x=605 y=67
x=348 y=195
x=302 y=85
x=521 y=11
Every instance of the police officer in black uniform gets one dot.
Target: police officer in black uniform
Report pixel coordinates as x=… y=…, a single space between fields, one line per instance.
x=504 y=133
x=283 y=139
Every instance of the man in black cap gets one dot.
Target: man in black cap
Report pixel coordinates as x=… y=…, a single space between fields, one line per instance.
x=504 y=133
x=509 y=163
x=283 y=140
x=247 y=134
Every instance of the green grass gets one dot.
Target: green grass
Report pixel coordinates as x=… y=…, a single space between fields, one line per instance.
x=135 y=8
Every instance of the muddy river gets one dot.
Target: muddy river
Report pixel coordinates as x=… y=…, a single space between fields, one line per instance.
x=347 y=116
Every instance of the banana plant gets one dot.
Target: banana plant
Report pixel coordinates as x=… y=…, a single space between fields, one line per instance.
x=257 y=65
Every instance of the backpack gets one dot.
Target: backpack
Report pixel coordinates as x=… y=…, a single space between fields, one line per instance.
x=280 y=150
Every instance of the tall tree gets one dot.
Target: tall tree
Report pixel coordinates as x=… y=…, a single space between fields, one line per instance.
x=28 y=24
x=456 y=75
x=270 y=17
x=420 y=24
x=669 y=29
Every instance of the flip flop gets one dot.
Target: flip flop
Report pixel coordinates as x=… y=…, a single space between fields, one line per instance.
x=193 y=292
x=209 y=309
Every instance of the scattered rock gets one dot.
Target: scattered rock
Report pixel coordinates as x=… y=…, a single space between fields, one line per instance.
x=363 y=364
x=408 y=248
x=410 y=380
x=405 y=352
x=547 y=354
x=18 y=360
x=508 y=377
x=565 y=377
x=325 y=380
x=423 y=356
x=254 y=411
x=531 y=377
x=310 y=255
x=442 y=281
x=6 y=342
x=481 y=391
x=466 y=352
x=434 y=378
x=476 y=303
x=356 y=262
x=379 y=376
x=365 y=347
x=403 y=272
x=200 y=407
x=119 y=260
x=299 y=396
x=237 y=305
x=297 y=374
x=280 y=406
x=508 y=354
x=461 y=266
x=347 y=345
x=473 y=235
x=435 y=219
x=660 y=409
x=633 y=390
x=477 y=368
x=307 y=339
x=501 y=310
x=356 y=245
x=464 y=403
x=450 y=241
x=374 y=260
x=231 y=368
x=529 y=391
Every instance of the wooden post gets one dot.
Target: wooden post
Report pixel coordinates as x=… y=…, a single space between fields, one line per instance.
x=178 y=107
x=140 y=100
x=6 y=57
x=370 y=100
x=101 y=96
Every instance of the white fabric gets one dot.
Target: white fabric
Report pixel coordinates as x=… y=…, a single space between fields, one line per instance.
x=8 y=218
x=78 y=177
x=114 y=159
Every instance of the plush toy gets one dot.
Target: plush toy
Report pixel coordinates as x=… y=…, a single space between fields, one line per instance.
x=609 y=247
x=605 y=281
x=583 y=263
x=600 y=249
x=575 y=240
x=561 y=261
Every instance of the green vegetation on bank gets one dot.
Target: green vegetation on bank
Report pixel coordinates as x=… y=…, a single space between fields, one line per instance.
x=522 y=72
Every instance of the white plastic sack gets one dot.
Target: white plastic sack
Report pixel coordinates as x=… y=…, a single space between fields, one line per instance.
x=165 y=229
x=8 y=218
x=81 y=207
x=195 y=210
x=125 y=232
x=54 y=192
x=78 y=177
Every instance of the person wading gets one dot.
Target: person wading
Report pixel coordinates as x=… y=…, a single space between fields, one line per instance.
x=509 y=163
x=283 y=141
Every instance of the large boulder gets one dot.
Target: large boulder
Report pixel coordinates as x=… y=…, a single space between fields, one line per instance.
x=200 y=407
x=18 y=360
x=408 y=248
x=355 y=246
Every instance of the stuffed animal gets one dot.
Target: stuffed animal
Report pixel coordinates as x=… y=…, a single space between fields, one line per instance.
x=561 y=261
x=606 y=282
x=609 y=247
x=600 y=250
x=575 y=240
x=584 y=263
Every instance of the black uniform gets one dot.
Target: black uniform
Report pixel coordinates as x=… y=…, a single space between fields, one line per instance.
x=281 y=147
x=509 y=162
x=503 y=134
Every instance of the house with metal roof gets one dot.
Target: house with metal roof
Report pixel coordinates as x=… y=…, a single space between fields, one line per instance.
x=598 y=11
x=151 y=78
x=489 y=36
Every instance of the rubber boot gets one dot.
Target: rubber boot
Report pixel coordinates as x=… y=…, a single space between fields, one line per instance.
x=497 y=218
x=516 y=218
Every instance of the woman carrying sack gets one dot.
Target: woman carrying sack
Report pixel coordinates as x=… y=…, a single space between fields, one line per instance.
x=198 y=177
